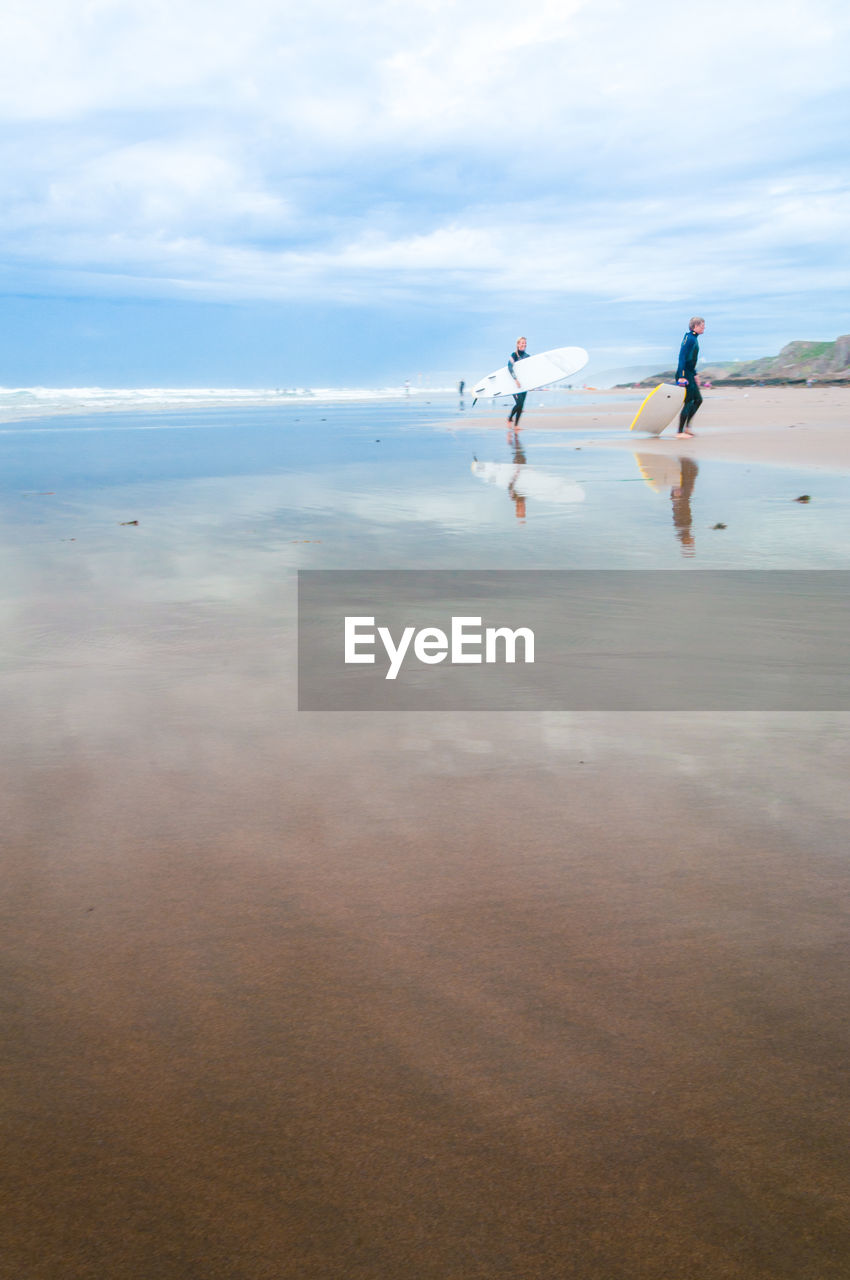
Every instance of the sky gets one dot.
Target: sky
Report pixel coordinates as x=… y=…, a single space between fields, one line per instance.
x=269 y=194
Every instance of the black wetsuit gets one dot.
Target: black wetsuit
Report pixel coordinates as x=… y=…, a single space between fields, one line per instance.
x=519 y=398
x=687 y=368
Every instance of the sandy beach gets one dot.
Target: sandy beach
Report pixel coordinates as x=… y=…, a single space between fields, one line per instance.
x=791 y=426
x=403 y=996
x=783 y=426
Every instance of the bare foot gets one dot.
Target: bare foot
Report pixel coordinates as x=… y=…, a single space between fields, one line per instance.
x=689 y=434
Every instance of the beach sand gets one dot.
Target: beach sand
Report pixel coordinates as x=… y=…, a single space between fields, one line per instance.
x=412 y=997
x=784 y=426
x=804 y=427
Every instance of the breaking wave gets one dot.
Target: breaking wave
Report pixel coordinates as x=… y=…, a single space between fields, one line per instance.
x=25 y=402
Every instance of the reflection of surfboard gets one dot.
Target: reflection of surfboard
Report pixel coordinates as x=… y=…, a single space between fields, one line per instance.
x=533 y=372
x=660 y=471
x=528 y=482
x=659 y=409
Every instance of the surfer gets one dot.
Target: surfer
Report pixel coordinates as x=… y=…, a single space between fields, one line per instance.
x=686 y=371
x=519 y=398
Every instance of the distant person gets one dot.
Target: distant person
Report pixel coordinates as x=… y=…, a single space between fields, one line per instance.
x=460 y=387
x=519 y=399
x=686 y=372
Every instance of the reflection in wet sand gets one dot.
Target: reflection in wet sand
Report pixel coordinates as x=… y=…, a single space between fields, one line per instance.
x=678 y=474
x=318 y=996
x=523 y=481
x=661 y=471
x=681 y=496
x=519 y=460
x=389 y=997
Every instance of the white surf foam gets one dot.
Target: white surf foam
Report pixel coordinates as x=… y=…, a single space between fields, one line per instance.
x=18 y=403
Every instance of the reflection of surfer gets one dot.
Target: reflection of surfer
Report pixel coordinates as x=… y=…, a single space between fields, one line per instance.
x=516 y=444
x=523 y=481
x=519 y=460
x=686 y=371
x=519 y=399
x=681 y=496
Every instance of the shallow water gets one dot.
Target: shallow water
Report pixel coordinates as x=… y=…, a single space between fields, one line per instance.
x=409 y=485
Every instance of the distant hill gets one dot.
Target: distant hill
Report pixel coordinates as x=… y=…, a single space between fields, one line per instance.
x=827 y=363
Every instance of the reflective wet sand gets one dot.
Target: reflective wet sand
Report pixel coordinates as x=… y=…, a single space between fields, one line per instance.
x=381 y=996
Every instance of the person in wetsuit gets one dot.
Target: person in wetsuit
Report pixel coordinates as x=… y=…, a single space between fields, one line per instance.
x=519 y=399
x=686 y=371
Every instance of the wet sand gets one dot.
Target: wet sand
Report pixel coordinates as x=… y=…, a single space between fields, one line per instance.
x=807 y=427
x=439 y=997
x=794 y=426
x=290 y=997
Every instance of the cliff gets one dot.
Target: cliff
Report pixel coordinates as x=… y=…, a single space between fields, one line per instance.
x=826 y=363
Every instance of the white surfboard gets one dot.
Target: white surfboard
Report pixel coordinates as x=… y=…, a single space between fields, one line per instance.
x=659 y=408
x=533 y=372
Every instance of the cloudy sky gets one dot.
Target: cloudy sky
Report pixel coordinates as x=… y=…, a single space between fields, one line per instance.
x=265 y=193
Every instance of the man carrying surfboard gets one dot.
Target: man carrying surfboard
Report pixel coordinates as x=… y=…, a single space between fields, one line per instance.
x=686 y=371
x=519 y=399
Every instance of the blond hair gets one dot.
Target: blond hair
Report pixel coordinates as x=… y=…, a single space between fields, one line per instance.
x=694 y=321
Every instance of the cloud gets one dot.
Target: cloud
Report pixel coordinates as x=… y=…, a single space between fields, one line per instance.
x=149 y=186
x=429 y=148
x=756 y=239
